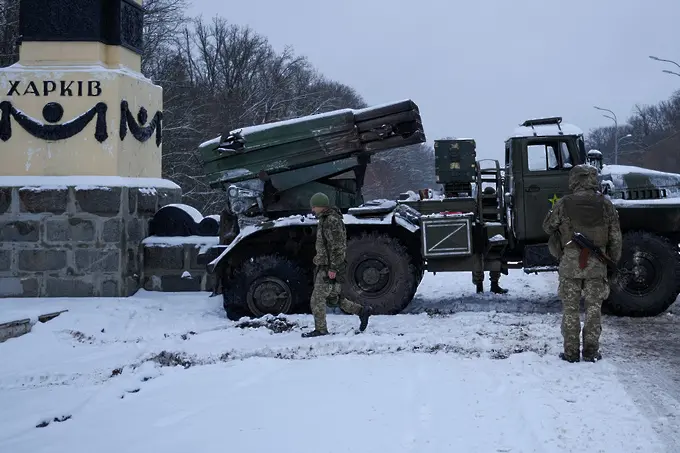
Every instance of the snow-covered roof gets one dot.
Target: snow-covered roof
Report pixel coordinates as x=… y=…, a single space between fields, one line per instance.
x=546 y=130
x=675 y=202
x=378 y=106
x=625 y=177
x=262 y=127
x=626 y=169
x=213 y=141
x=265 y=126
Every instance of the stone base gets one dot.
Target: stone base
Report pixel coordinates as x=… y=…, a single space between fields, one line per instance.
x=65 y=237
x=175 y=264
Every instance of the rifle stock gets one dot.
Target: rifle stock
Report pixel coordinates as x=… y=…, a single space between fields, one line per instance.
x=585 y=243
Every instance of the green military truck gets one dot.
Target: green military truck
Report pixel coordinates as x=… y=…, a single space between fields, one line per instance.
x=270 y=171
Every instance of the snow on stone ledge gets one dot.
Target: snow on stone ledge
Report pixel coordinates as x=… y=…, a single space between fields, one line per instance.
x=173 y=241
x=84 y=182
x=103 y=71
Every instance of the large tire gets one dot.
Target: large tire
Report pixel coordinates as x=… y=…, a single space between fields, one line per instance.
x=267 y=284
x=380 y=273
x=654 y=283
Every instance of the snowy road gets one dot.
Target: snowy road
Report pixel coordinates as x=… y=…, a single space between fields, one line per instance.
x=646 y=353
x=171 y=374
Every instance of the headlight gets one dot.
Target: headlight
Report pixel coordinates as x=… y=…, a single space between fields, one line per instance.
x=237 y=207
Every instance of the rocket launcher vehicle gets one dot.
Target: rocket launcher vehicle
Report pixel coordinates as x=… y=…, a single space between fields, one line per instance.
x=262 y=151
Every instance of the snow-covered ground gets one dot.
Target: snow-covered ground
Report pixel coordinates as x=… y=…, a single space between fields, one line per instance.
x=169 y=373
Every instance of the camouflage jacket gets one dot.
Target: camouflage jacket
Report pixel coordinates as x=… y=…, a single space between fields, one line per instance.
x=604 y=229
x=331 y=241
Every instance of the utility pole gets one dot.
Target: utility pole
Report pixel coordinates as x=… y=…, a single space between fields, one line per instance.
x=616 y=132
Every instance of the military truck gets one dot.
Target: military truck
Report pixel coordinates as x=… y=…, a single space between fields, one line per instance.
x=270 y=171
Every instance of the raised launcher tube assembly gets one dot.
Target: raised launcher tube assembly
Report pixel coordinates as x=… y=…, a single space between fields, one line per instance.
x=271 y=170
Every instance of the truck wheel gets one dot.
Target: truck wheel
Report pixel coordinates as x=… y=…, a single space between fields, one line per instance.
x=267 y=284
x=379 y=273
x=654 y=281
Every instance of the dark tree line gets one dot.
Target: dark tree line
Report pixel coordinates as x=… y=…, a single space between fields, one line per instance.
x=218 y=76
x=654 y=140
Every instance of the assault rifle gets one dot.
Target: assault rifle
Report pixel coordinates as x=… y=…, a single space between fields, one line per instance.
x=586 y=245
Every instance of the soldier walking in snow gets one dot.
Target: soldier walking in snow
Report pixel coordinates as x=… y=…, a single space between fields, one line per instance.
x=590 y=213
x=331 y=245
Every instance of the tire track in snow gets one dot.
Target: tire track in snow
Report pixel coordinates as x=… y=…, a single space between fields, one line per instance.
x=646 y=353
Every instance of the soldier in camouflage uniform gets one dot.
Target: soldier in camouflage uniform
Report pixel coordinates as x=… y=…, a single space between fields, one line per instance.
x=478 y=272
x=331 y=244
x=590 y=213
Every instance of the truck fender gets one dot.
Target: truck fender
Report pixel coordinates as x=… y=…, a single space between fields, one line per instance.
x=398 y=217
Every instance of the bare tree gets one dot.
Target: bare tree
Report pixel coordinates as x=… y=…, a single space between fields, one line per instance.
x=9 y=32
x=653 y=142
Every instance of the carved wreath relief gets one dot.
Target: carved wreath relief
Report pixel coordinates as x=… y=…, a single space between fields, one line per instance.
x=53 y=112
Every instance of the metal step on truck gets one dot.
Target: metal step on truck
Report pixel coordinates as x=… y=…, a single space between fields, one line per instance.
x=264 y=260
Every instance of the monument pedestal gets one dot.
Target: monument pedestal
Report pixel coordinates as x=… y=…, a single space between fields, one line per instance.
x=75 y=236
x=80 y=147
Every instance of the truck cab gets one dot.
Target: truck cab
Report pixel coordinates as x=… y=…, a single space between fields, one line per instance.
x=538 y=157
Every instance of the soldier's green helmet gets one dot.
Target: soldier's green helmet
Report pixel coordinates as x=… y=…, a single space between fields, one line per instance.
x=319 y=200
x=583 y=176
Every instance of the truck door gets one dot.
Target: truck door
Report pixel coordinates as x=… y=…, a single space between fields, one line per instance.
x=546 y=166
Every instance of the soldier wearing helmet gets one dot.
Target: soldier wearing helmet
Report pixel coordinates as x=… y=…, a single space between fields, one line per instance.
x=587 y=211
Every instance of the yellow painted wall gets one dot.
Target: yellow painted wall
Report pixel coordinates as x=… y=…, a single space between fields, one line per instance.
x=94 y=73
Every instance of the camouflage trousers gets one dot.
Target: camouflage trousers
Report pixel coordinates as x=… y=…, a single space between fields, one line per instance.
x=327 y=293
x=478 y=276
x=594 y=290
x=478 y=271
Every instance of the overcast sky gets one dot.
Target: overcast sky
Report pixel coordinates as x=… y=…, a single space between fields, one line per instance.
x=479 y=70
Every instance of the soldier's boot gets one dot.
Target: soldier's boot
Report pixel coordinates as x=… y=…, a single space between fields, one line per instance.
x=571 y=358
x=494 y=276
x=480 y=288
x=366 y=312
x=496 y=289
x=314 y=333
x=591 y=355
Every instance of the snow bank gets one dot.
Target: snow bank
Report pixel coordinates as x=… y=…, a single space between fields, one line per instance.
x=84 y=182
